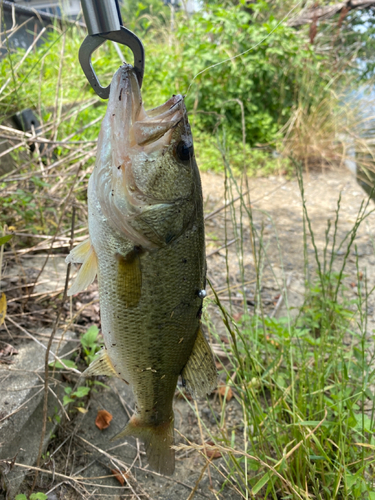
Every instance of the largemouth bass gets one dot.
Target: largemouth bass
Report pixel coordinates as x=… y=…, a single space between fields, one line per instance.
x=146 y=245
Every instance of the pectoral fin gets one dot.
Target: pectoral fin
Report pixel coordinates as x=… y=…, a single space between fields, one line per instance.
x=83 y=253
x=129 y=277
x=101 y=365
x=200 y=374
x=78 y=254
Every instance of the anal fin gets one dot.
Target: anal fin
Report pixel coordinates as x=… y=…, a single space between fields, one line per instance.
x=199 y=374
x=101 y=365
x=84 y=254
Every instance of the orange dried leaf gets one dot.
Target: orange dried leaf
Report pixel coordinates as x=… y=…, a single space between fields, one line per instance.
x=212 y=452
x=225 y=340
x=103 y=419
x=183 y=394
x=222 y=389
x=237 y=316
x=120 y=476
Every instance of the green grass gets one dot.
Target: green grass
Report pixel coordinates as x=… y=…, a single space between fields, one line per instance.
x=305 y=382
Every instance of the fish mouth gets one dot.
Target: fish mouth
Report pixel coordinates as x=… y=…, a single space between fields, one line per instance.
x=135 y=127
x=131 y=141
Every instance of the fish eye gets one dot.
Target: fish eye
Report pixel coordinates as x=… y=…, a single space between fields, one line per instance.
x=184 y=152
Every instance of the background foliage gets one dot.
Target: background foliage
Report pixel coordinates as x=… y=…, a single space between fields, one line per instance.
x=283 y=72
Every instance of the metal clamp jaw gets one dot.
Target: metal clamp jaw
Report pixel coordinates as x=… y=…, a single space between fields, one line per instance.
x=103 y=20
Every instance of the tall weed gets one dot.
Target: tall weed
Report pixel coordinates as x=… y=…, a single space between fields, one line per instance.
x=305 y=381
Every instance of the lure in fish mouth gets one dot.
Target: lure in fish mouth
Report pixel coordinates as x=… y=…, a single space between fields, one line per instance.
x=146 y=245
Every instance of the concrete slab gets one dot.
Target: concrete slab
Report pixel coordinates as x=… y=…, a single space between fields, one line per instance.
x=21 y=406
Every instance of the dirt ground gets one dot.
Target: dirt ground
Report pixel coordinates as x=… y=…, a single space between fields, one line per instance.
x=81 y=459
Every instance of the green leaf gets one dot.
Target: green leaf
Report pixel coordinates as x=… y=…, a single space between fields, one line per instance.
x=81 y=392
x=88 y=339
x=67 y=400
x=38 y=496
x=350 y=480
x=314 y=423
x=5 y=239
x=262 y=481
x=366 y=422
x=21 y=497
x=67 y=362
x=96 y=382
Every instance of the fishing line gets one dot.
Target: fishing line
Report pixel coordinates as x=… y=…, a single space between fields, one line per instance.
x=245 y=51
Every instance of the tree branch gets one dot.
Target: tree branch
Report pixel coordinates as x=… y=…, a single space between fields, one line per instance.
x=321 y=13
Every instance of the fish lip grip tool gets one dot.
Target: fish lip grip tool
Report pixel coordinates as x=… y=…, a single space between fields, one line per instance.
x=103 y=21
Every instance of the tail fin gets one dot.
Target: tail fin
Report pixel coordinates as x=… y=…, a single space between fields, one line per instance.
x=157 y=439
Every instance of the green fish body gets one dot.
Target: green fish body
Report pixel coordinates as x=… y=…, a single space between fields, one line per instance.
x=147 y=248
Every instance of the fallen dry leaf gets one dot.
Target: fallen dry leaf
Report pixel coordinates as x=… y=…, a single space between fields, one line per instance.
x=183 y=394
x=82 y=410
x=8 y=350
x=211 y=452
x=120 y=476
x=103 y=419
x=224 y=339
x=3 y=308
x=237 y=316
x=271 y=341
x=222 y=390
x=6 y=353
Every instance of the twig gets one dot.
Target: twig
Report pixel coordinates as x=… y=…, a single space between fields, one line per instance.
x=23 y=404
x=223 y=207
x=208 y=216
x=280 y=300
x=44 y=347
x=55 y=395
x=221 y=248
x=36 y=294
x=199 y=479
x=77 y=479
x=118 y=462
x=30 y=48
x=46 y=366
x=57 y=229
x=41 y=140
x=203 y=442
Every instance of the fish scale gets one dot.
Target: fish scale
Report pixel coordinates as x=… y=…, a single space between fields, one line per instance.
x=167 y=310
x=146 y=245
